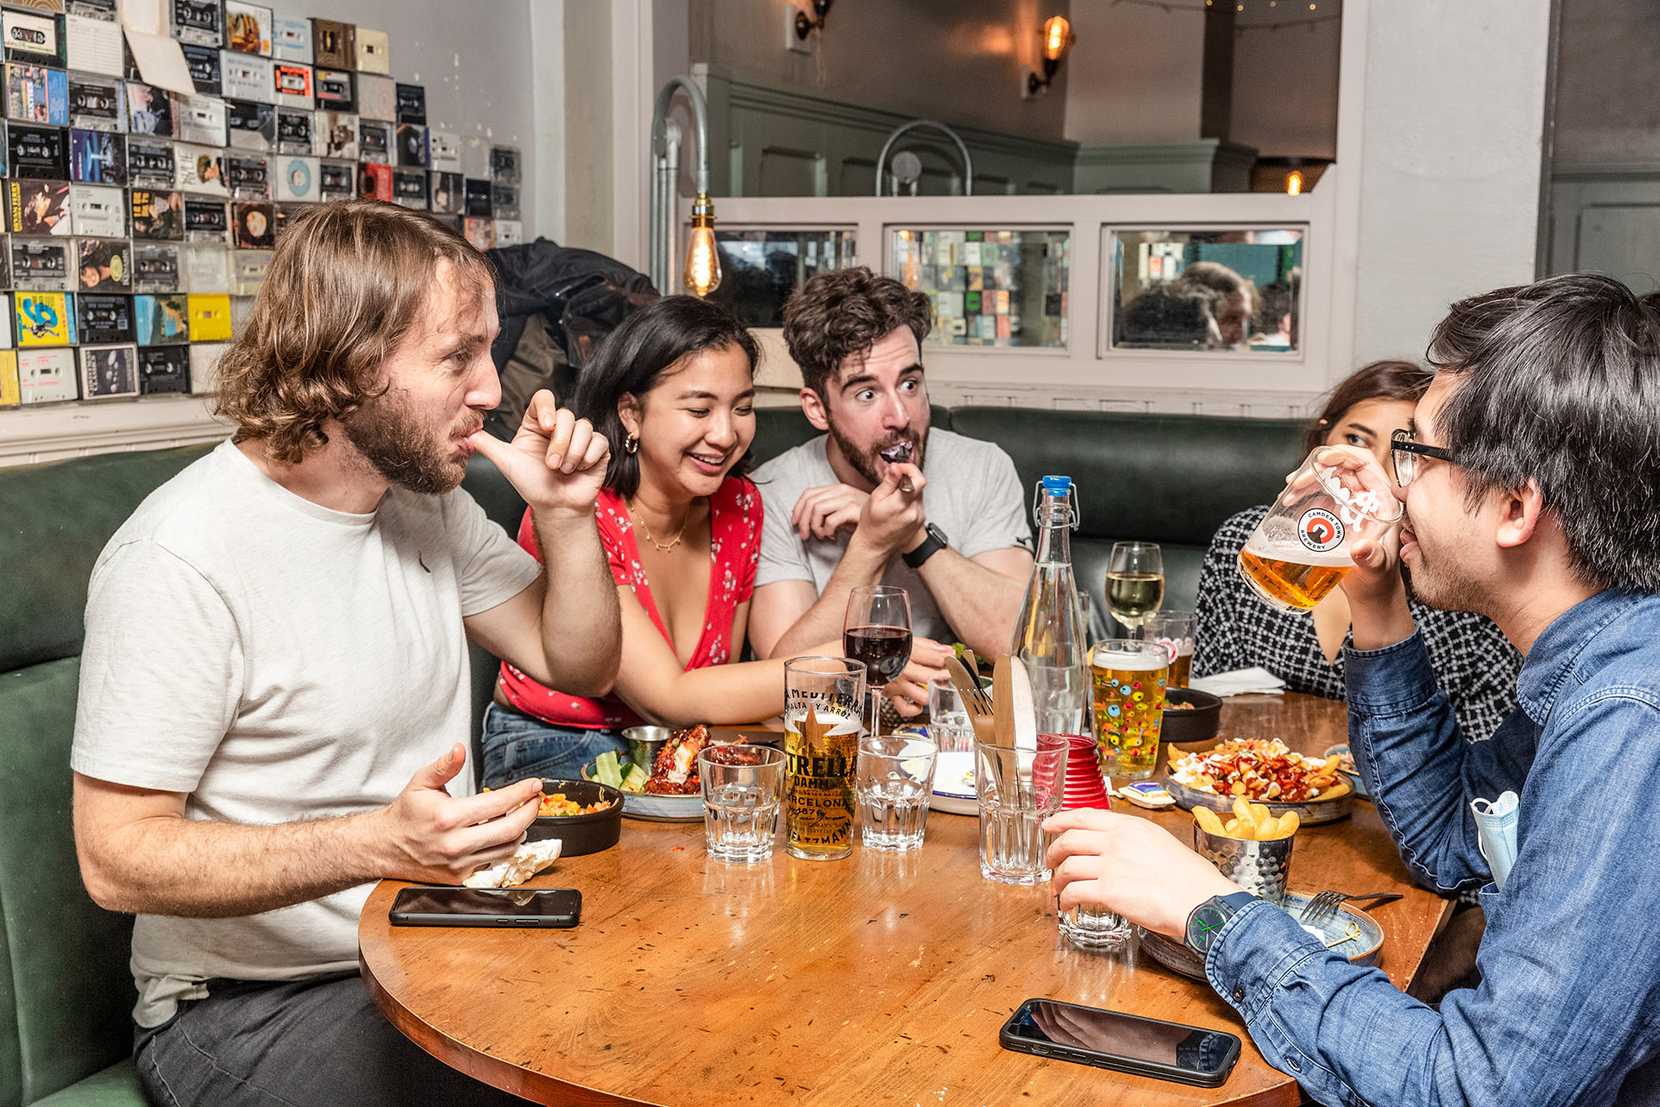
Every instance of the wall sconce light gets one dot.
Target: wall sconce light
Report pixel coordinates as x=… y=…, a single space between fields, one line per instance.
x=1294 y=183
x=806 y=25
x=1057 y=41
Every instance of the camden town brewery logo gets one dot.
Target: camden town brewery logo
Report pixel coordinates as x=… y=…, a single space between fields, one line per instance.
x=1319 y=530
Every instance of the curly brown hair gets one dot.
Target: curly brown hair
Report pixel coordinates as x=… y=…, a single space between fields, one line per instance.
x=842 y=314
x=347 y=284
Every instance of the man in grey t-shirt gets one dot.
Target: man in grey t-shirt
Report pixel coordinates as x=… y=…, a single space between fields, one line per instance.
x=274 y=684
x=879 y=499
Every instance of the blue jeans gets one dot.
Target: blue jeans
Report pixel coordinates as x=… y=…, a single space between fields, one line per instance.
x=517 y=746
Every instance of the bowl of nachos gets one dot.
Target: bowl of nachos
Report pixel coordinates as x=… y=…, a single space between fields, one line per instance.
x=1262 y=770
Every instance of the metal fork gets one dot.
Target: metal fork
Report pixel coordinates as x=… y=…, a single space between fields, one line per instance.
x=1323 y=907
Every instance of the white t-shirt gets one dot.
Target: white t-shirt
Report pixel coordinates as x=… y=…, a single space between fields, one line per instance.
x=277 y=660
x=973 y=494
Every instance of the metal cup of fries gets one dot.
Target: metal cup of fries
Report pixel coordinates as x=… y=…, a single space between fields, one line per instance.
x=1252 y=849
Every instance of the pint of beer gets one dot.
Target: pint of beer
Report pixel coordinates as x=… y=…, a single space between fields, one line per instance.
x=822 y=700
x=1300 y=550
x=1129 y=677
x=1174 y=631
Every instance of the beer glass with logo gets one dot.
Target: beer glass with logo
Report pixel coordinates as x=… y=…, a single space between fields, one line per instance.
x=823 y=697
x=1174 y=630
x=1300 y=550
x=1129 y=676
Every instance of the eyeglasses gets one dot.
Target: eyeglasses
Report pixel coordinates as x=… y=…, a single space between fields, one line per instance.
x=1403 y=453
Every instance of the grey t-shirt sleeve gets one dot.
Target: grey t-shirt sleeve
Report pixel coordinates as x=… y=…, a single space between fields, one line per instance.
x=491 y=568
x=783 y=554
x=161 y=671
x=999 y=522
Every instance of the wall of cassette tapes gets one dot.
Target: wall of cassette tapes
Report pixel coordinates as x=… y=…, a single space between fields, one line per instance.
x=138 y=223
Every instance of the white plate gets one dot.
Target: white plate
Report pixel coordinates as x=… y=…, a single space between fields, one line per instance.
x=954 y=790
x=669 y=809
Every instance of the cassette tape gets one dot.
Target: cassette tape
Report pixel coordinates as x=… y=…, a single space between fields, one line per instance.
x=207 y=268
x=162 y=319
x=509 y=232
x=46 y=376
x=41 y=264
x=104 y=318
x=337 y=180
x=109 y=372
x=377 y=98
x=30 y=37
x=5 y=276
x=98 y=211
x=201 y=169
x=333 y=43
x=248 y=176
x=255 y=228
x=10 y=394
x=480 y=231
x=337 y=134
x=105 y=264
x=245 y=77
x=248 y=28
x=248 y=269
x=43 y=319
x=414 y=151
x=374 y=181
x=150 y=164
x=210 y=317
x=374 y=51
x=38 y=207
x=505 y=164
x=204 y=366
x=205 y=72
x=409 y=188
x=411 y=104
x=477 y=202
x=444 y=150
x=294 y=132
x=296 y=179
x=163 y=370
x=285 y=215
x=446 y=193
x=41 y=153
x=504 y=201
x=156 y=214
x=37 y=94
x=202 y=120
x=199 y=22
x=150 y=111
x=206 y=220
x=97 y=103
x=93 y=44
x=336 y=90
x=291 y=39
x=97 y=157
x=374 y=142
x=250 y=125
x=291 y=85
x=156 y=267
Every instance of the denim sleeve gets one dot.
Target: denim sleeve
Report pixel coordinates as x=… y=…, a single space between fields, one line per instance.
x=1566 y=1007
x=1419 y=770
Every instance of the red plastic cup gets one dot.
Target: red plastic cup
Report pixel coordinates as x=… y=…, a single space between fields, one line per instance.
x=1084 y=784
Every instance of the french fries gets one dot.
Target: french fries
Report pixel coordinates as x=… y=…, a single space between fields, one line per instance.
x=1251 y=822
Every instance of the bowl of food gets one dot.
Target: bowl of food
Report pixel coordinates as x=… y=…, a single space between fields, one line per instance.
x=1265 y=771
x=1191 y=717
x=585 y=815
x=667 y=788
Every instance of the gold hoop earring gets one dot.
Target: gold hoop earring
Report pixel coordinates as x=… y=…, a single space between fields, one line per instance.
x=631 y=444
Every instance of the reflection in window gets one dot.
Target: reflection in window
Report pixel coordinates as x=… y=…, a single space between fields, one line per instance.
x=761 y=268
x=1206 y=290
x=989 y=287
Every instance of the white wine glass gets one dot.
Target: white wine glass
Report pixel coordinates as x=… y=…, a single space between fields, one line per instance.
x=1135 y=582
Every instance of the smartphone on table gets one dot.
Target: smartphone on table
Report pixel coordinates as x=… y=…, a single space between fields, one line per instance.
x=522 y=907
x=1125 y=1043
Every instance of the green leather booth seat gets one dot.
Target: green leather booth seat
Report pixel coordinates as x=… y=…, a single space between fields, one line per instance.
x=65 y=989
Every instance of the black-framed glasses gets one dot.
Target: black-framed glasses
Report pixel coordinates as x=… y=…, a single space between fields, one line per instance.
x=1404 y=453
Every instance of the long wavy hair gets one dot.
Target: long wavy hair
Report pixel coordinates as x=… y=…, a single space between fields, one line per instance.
x=349 y=282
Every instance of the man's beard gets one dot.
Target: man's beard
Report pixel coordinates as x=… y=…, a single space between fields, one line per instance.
x=1437 y=582
x=400 y=448
x=864 y=461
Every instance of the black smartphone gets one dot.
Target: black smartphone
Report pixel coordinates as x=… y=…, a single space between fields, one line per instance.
x=1127 y=1043
x=447 y=906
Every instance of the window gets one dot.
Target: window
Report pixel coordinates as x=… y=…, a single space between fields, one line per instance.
x=760 y=268
x=994 y=287
x=1227 y=289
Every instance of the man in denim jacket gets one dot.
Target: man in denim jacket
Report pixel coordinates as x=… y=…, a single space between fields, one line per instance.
x=1532 y=493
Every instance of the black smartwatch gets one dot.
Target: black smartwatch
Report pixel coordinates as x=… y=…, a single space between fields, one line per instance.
x=1205 y=921
x=931 y=545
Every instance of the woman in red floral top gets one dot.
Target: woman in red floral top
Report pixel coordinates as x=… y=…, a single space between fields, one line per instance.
x=673 y=389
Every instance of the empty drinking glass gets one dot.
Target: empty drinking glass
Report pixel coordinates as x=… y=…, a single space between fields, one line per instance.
x=1019 y=787
x=742 y=786
x=895 y=779
x=948 y=723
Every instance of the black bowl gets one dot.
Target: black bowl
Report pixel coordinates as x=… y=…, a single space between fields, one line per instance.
x=1198 y=724
x=581 y=834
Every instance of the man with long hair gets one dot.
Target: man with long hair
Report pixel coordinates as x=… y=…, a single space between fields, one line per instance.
x=275 y=678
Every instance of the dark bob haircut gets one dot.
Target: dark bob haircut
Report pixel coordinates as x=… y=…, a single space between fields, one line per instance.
x=1558 y=385
x=635 y=356
x=1381 y=380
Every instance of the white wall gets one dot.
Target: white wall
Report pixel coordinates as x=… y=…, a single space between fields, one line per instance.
x=1136 y=74
x=1449 y=165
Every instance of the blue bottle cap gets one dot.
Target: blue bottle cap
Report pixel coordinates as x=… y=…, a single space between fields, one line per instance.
x=1057 y=486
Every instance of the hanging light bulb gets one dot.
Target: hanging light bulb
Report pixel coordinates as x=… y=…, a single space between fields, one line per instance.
x=702 y=257
x=1294 y=183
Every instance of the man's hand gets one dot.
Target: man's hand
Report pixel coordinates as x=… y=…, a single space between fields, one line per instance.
x=909 y=690
x=1375 y=582
x=1130 y=865
x=556 y=461
x=428 y=835
x=822 y=511
x=892 y=519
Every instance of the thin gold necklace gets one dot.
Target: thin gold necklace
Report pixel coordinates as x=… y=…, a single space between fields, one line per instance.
x=640 y=521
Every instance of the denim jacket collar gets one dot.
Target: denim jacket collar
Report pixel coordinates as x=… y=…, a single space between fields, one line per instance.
x=1556 y=651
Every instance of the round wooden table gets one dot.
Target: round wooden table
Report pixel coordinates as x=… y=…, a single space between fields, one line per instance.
x=881 y=978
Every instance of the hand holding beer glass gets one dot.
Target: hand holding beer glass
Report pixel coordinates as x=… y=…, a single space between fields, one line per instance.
x=1303 y=546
